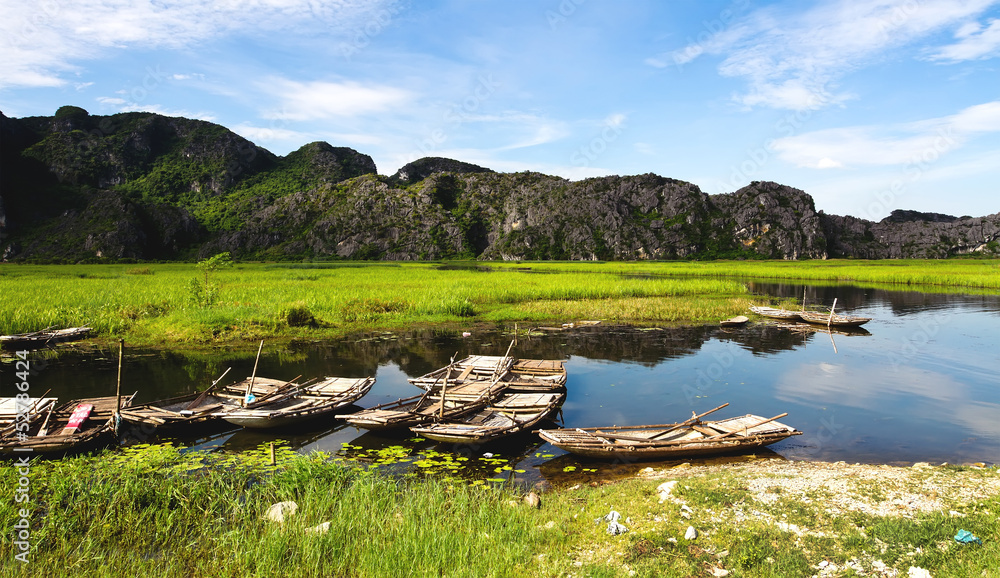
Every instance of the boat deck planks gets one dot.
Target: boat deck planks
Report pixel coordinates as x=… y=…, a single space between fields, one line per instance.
x=512 y=413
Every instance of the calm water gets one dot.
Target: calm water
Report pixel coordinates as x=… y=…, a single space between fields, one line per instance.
x=919 y=385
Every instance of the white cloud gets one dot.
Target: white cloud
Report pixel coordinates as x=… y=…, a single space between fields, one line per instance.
x=320 y=99
x=795 y=61
x=43 y=40
x=974 y=42
x=261 y=134
x=897 y=144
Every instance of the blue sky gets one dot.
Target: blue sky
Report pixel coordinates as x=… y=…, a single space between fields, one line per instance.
x=869 y=105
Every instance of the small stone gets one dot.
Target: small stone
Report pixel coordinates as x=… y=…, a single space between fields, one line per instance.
x=672 y=540
x=319 y=529
x=647 y=471
x=720 y=572
x=549 y=525
x=691 y=533
x=665 y=489
x=921 y=465
x=722 y=554
x=917 y=572
x=533 y=500
x=824 y=564
x=278 y=512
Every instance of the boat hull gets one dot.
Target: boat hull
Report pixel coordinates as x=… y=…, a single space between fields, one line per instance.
x=630 y=443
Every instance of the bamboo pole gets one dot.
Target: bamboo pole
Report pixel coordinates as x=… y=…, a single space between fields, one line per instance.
x=444 y=387
x=253 y=376
x=118 y=388
x=830 y=320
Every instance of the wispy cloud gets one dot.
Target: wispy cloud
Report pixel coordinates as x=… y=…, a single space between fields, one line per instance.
x=795 y=60
x=322 y=99
x=45 y=40
x=974 y=42
x=896 y=144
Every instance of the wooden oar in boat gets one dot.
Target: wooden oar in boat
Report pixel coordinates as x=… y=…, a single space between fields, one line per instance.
x=35 y=403
x=282 y=389
x=745 y=428
x=201 y=397
x=44 y=431
x=248 y=396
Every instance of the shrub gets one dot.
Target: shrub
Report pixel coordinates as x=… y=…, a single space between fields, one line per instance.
x=299 y=315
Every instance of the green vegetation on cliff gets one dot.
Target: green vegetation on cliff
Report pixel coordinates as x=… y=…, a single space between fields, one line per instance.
x=141 y=186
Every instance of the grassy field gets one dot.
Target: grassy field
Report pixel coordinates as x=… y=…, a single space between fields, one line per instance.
x=170 y=303
x=156 y=511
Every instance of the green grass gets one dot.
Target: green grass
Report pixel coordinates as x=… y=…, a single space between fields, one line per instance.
x=160 y=511
x=153 y=304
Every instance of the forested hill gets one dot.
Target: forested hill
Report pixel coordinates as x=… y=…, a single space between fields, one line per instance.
x=144 y=186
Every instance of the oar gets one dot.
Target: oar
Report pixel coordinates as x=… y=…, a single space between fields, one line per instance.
x=745 y=428
x=201 y=397
x=280 y=389
x=36 y=402
x=43 y=431
x=253 y=376
x=693 y=418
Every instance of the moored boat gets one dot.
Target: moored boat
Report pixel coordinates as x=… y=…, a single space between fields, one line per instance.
x=734 y=321
x=441 y=403
x=685 y=439
x=300 y=403
x=179 y=413
x=510 y=414
x=76 y=425
x=833 y=320
x=472 y=368
x=42 y=338
x=775 y=313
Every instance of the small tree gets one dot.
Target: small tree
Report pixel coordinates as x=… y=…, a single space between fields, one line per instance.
x=204 y=293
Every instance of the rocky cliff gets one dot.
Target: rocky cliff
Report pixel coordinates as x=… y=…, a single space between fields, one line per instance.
x=143 y=186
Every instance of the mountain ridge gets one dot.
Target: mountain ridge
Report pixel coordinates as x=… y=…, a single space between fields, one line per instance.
x=77 y=187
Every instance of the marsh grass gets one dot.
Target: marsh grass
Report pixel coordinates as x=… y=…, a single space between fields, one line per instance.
x=156 y=511
x=152 y=305
x=161 y=511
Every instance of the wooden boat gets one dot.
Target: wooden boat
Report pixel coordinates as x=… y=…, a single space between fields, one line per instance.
x=832 y=320
x=10 y=409
x=512 y=413
x=42 y=338
x=300 y=403
x=689 y=438
x=774 y=313
x=73 y=426
x=193 y=409
x=518 y=374
x=538 y=375
x=472 y=368
x=441 y=403
x=734 y=321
